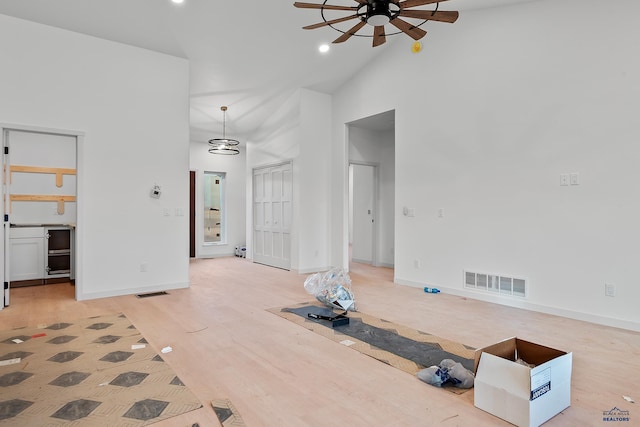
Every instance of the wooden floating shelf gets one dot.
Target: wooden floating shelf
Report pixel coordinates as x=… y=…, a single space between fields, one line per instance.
x=60 y=199
x=58 y=172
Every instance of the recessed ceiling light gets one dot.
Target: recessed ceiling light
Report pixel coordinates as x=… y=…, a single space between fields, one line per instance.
x=323 y=48
x=178 y=1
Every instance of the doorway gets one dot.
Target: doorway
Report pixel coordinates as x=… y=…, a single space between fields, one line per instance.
x=40 y=214
x=192 y=214
x=363 y=199
x=370 y=219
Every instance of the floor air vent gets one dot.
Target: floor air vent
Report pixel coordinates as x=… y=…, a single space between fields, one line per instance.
x=152 y=294
x=495 y=283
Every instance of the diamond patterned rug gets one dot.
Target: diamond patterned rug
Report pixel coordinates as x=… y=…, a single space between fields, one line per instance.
x=227 y=414
x=98 y=371
x=404 y=348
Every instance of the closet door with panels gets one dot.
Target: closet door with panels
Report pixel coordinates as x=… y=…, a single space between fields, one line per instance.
x=272 y=211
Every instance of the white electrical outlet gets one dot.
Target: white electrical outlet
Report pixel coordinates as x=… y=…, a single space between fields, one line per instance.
x=564 y=179
x=609 y=290
x=143 y=267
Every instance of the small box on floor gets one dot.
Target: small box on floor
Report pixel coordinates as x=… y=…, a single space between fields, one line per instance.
x=522 y=382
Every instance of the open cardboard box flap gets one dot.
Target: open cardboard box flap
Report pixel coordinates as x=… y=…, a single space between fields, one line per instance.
x=516 y=348
x=517 y=393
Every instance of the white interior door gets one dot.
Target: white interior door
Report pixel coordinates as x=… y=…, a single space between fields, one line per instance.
x=272 y=212
x=363 y=213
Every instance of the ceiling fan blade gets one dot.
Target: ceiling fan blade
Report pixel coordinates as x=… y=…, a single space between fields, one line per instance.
x=333 y=21
x=348 y=34
x=430 y=15
x=378 y=35
x=413 y=3
x=322 y=6
x=410 y=30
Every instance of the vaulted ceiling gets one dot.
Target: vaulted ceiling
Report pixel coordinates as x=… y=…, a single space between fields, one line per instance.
x=248 y=55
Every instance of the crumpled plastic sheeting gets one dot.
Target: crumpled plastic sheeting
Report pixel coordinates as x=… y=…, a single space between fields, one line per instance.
x=448 y=372
x=332 y=288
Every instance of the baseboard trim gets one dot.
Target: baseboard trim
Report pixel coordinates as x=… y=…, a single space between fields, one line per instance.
x=209 y=256
x=131 y=291
x=556 y=311
x=313 y=270
x=386 y=265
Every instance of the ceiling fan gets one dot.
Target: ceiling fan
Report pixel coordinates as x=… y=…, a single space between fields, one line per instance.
x=378 y=13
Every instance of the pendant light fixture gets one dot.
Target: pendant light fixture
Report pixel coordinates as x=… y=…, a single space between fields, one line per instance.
x=224 y=145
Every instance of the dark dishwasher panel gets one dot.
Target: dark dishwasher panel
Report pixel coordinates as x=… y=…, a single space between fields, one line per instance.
x=59 y=239
x=58 y=252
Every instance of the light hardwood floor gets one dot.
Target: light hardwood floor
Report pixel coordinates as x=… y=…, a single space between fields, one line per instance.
x=227 y=345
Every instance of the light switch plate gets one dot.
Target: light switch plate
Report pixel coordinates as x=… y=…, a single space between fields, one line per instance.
x=574 y=178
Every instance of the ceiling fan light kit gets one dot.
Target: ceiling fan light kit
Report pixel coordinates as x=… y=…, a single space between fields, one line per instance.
x=224 y=145
x=378 y=13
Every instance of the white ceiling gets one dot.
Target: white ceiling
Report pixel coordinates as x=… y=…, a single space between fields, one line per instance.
x=246 y=54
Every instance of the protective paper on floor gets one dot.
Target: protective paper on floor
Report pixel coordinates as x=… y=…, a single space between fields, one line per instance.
x=404 y=348
x=97 y=371
x=227 y=414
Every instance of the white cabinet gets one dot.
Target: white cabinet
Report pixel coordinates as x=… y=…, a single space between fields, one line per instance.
x=26 y=253
x=40 y=252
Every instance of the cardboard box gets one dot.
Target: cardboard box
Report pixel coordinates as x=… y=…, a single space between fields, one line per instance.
x=519 y=394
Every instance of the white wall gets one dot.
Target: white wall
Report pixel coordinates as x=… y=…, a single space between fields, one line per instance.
x=299 y=132
x=488 y=116
x=314 y=177
x=375 y=147
x=132 y=106
x=235 y=198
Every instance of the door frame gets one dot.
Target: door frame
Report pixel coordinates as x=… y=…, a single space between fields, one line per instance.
x=343 y=155
x=5 y=128
x=375 y=207
x=192 y=214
